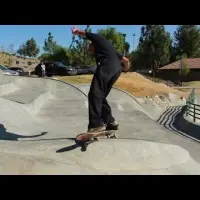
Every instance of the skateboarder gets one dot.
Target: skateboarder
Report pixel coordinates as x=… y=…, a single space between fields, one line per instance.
x=108 y=71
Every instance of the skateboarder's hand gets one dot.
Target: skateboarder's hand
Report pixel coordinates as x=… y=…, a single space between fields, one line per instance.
x=125 y=64
x=74 y=30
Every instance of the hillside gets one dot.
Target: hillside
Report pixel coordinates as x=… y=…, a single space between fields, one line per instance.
x=133 y=83
x=27 y=64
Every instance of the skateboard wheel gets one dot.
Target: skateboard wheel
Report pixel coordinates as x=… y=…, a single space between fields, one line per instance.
x=114 y=136
x=108 y=136
x=96 y=139
x=84 y=147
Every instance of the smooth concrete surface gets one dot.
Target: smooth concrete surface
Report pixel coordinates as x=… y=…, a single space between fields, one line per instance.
x=40 y=117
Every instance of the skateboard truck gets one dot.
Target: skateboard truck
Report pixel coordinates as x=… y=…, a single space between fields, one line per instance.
x=111 y=136
x=108 y=135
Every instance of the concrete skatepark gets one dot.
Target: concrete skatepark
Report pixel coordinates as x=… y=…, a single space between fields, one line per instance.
x=40 y=117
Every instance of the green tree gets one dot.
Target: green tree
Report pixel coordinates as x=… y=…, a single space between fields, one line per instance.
x=61 y=54
x=44 y=56
x=135 y=60
x=50 y=44
x=187 y=39
x=127 y=47
x=184 y=70
x=32 y=50
x=78 y=50
x=22 y=51
x=116 y=38
x=154 y=47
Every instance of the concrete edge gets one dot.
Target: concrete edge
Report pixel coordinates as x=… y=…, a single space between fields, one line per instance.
x=68 y=84
x=51 y=80
x=127 y=94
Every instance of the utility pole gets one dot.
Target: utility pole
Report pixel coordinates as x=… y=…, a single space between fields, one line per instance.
x=133 y=34
x=124 y=35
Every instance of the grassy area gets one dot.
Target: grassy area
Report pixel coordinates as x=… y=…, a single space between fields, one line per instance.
x=76 y=79
x=9 y=60
x=192 y=84
x=132 y=82
x=155 y=79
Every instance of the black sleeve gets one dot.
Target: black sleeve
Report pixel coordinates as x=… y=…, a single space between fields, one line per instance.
x=94 y=37
x=119 y=55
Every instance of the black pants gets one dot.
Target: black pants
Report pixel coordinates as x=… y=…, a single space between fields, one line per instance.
x=99 y=110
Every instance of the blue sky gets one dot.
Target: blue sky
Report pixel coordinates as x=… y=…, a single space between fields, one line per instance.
x=17 y=34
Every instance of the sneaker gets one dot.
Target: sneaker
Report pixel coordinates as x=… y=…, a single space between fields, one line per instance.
x=97 y=129
x=112 y=126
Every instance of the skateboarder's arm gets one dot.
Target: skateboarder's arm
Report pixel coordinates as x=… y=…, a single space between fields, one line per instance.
x=76 y=31
x=125 y=64
x=94 y=37
x=119 y=55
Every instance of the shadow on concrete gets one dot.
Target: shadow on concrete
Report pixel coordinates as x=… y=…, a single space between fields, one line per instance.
x=174 y=121
x=179 y=125
x=69 y=148
x=192 y=130
x=77 y=144
x=163 y=116
x=47 y=139
x=83 y=148
x=72 y=147
x=4 y=135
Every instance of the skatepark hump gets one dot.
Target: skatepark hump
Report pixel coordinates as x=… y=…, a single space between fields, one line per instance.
x=40 y=117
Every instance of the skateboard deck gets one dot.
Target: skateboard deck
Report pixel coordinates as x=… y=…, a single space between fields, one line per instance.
x=84 y=139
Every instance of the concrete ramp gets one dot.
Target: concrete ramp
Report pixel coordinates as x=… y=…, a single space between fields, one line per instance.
x=132 y=156
x=39 y=119
x=153 y=107
x=31 y=107
x=106 y=157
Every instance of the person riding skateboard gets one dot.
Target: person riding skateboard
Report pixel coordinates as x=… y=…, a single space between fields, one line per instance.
x=109 y=68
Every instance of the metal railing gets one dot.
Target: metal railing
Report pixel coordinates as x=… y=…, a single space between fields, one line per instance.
x=191 y=107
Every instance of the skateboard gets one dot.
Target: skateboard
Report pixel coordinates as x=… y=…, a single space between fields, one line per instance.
x=84 y=139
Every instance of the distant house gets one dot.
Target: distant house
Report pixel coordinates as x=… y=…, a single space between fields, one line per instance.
x=171 y=71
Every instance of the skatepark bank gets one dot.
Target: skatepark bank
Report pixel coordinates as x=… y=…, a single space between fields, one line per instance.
x=40 y=117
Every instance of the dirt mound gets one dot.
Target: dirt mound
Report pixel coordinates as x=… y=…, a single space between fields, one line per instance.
x=138 y=85
x=133 y=83
x=27 y=64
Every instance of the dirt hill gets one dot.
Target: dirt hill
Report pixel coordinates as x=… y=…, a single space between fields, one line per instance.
x=16 y=61
x=133 y=83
